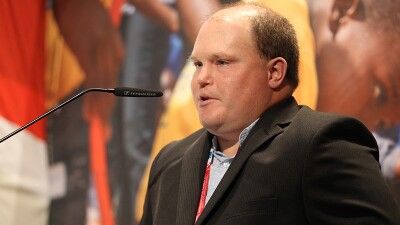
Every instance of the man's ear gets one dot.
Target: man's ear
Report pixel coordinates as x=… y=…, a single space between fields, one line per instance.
x=342 y=11
x=276 y=72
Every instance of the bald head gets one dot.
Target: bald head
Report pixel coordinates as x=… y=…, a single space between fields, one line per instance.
x=242 y=54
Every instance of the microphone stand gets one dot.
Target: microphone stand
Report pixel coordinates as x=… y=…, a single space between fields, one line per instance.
x=119 y=91
x=54 y=109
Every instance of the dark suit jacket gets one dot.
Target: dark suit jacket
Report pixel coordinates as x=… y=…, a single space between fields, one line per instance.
x=297 y=166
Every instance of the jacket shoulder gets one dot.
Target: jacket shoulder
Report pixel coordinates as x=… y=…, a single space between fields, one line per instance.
x=332 y=124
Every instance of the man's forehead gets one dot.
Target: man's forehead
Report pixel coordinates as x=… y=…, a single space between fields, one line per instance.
x=235 y=14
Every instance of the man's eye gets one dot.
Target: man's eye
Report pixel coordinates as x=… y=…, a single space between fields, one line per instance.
x=197 y=64
x=222 y=62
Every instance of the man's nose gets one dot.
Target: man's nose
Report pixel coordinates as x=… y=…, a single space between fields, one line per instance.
x=204 y=76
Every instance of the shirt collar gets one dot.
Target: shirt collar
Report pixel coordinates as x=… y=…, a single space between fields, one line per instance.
x=245 y=132
x=242 y=136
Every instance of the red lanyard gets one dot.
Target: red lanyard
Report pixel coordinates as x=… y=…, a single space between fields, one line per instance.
x=204 y=189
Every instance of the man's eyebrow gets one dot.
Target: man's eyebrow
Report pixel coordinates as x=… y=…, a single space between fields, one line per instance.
x=192 y=58
x=219 y=55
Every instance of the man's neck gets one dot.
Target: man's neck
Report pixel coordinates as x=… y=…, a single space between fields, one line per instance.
x=228 y=149
x=230 y=146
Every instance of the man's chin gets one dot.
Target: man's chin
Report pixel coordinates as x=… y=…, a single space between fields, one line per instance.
x=211 y=126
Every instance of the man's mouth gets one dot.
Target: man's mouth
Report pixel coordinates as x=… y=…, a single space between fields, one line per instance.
x=204 y=100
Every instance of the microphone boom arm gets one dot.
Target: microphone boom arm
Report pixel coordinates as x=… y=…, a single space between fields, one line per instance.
x=116 y=92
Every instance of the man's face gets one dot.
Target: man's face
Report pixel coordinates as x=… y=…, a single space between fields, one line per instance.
x=230 y=83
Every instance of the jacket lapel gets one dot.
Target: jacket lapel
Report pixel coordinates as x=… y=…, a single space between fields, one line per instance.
x=191 y=179
x=271 y=123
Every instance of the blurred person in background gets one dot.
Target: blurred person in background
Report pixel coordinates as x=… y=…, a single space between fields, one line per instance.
x=23 y=157
x=146 y=34
x=357 y=43
x=44 y=63
x=78 y=134
x=85 y=50
x=25 y=189
x=83 y=190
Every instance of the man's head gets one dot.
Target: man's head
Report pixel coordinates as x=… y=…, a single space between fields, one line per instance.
x=246 y=58
x=357 y=49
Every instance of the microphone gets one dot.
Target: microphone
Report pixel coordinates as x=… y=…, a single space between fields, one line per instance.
x=118 y=91
x=136 y=92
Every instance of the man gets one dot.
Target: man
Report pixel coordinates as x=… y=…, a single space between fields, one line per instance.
x=261 y=158
x=362 y=80
x=180 y=117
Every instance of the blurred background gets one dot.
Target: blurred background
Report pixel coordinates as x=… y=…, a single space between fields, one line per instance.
x=88 y=163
